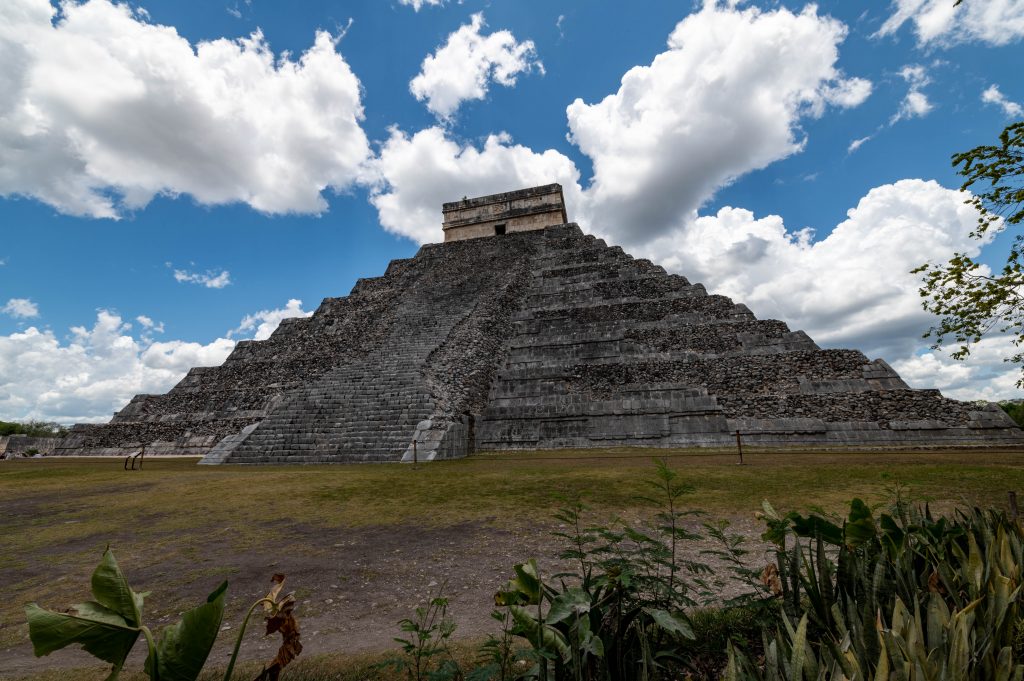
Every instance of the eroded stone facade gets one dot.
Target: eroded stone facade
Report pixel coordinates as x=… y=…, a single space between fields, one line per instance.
x=519 y=211
x=537 y=339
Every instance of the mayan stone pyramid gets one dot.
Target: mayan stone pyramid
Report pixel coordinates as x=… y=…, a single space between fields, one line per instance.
x=522 y=332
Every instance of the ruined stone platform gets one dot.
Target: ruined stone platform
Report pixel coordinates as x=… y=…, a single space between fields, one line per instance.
x=531 y=340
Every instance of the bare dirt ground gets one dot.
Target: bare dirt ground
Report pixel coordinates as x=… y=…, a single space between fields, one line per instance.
x=363 y=546
x=353 y=585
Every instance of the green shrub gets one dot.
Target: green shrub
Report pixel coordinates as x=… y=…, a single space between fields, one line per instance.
x=714 y=628
x=899 y=593
x=426 y=643
x=624 y=610
x=32 y=429
x=1015 y=411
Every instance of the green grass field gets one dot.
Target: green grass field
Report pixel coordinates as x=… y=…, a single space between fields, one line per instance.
x=177 y=526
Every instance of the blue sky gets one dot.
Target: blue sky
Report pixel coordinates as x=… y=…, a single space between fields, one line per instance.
x=170 y=184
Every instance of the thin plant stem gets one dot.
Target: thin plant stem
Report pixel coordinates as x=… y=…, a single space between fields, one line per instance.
x=152 y=652
x=241 y=633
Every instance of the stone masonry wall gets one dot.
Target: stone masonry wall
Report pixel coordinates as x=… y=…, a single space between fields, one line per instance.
x=610 y=350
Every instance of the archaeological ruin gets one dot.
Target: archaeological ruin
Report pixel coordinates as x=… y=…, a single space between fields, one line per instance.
x=520 y=331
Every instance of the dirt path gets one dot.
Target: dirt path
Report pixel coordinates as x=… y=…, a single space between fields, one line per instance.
x=353 y=585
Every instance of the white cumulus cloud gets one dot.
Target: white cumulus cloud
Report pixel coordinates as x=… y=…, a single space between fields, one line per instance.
x=849 y=93
x=149 y=324
x=725 y=99
x=210 y=279
x=20 y=308
x=984 y=375
x=101 y=110
x=95 y=371
x=992 y=95
x=463 y=68
x=419 y=4
x=941 y=22
x=854 y=287
x=263 y=323
x=915 y=104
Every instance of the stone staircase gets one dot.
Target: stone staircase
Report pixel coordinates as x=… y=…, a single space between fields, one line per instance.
x=370 y=409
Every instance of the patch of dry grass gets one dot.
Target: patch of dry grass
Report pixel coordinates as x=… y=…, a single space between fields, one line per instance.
x=57 y=515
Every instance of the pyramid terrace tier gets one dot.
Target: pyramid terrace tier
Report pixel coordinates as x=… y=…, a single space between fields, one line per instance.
x=539 y=339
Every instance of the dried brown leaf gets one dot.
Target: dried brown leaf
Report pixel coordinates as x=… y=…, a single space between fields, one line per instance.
x=770 y=578
x=278 y=583
x=281 y=618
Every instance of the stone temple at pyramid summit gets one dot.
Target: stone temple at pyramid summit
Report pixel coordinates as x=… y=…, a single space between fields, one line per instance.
x=520 y=331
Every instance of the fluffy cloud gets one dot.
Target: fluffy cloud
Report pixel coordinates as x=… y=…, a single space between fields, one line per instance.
x=101 y=110
x=148 y=324
x=726 y=98
x=915 y=104
x=209 y=279
x=992 y=95
x=264 y=322
x=20 y=308
x=463 y=67
x=417 y=4
x=848 y=93
x=996 y=22
x=414 y=175
x=709 y=109
x=95 y=371
x=851 y=289
x=982 y=376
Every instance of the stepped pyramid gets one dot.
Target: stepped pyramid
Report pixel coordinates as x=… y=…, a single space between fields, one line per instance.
x=522 y=332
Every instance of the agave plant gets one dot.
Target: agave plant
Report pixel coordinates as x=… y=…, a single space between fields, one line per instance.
x=901 y=596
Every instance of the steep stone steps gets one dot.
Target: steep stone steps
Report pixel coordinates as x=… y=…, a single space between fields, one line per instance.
x=369 y=410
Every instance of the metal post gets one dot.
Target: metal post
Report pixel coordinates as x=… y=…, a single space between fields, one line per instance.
x=414 y=452
x=739 y=446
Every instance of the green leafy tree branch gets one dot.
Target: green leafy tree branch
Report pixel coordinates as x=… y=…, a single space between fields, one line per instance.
x=970 y=300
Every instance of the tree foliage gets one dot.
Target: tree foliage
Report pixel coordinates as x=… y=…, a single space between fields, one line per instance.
x=32 y=429
x=970 y=300
x=1015 y=410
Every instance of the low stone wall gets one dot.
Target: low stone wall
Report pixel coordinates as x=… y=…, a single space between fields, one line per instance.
x=12 y=446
